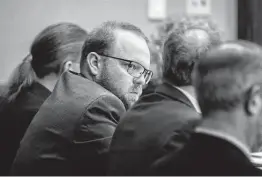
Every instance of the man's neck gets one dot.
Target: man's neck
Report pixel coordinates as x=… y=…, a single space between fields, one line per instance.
x=48 y=82
x=86 y=75
x=189 y=92
x=190 y=89
x=227 y=125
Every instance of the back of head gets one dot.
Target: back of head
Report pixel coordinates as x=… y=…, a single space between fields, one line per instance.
x=55 y=45
x=224 y=75
x=102 y=39
x=190 y=38
x=50 y=50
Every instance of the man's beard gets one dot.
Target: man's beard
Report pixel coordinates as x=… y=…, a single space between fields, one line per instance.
x=128 y=99
x=106 y=82
x=115 y=92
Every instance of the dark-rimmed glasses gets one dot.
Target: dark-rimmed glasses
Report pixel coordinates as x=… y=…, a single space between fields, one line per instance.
x=135 y=69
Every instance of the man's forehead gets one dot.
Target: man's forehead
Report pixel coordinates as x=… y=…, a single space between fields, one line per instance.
x=126 y=37
x=132 y=47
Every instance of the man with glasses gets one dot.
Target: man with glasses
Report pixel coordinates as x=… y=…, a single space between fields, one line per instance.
x=72 y=131
x=160 y=122
x=136 y=70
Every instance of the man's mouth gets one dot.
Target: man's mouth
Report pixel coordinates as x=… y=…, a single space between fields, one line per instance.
x=137 y=93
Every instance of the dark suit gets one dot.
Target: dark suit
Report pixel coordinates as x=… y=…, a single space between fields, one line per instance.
x=157 y=123
x=15 y=117
x=2 y=91
x=71 y=133
x=207 y=155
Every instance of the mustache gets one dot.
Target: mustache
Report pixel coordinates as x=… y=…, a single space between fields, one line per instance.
x=136 y=89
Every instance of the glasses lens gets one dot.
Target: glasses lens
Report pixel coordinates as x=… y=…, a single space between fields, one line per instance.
x=135 y=69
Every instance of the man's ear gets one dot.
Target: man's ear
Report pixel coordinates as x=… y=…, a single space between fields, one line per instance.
x=75 y=67
x=67 y=66
x=253 y=103
x=93 y=63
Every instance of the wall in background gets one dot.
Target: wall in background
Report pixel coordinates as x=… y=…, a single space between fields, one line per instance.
x=20 y=21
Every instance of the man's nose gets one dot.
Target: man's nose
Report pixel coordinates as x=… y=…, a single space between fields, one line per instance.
x=140 y=80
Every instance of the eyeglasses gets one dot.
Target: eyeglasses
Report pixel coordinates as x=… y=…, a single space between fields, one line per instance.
x=135 y=69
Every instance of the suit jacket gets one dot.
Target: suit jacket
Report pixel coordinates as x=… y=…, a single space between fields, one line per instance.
x=2 y=91
x=155 y=125
x=71 y=133
x=15 y=117
x=207 y=155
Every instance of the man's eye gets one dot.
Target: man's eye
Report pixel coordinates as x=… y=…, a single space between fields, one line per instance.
x=131 y=66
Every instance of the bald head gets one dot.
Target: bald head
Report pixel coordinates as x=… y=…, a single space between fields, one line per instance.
x=225 y=73
x=196 y=38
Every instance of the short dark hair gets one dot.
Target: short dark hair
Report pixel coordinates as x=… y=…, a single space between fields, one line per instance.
x=102 y=38
x=222 y=77
x=178 y=56
x=52 y=46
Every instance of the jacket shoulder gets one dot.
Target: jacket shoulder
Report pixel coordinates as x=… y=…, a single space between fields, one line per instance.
x=100 y=119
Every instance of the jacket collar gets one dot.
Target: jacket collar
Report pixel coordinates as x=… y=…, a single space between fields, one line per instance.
x=172 y=92
x=38 y=89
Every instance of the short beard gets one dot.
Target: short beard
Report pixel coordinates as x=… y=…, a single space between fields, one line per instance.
x=106 y=84
x=105 y=81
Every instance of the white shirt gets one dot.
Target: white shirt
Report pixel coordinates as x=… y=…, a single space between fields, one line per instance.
x=227 y=137
x=256 y=158
x=191 y=99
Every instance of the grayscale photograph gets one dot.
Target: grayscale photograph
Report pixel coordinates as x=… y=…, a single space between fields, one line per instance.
x=131 y=88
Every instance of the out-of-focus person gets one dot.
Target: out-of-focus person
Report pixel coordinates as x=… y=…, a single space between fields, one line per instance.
x=54 y=50
x=228 y=85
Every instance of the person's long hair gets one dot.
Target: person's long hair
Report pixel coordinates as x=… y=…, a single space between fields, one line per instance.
x=23 y=76
x=49 y=52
